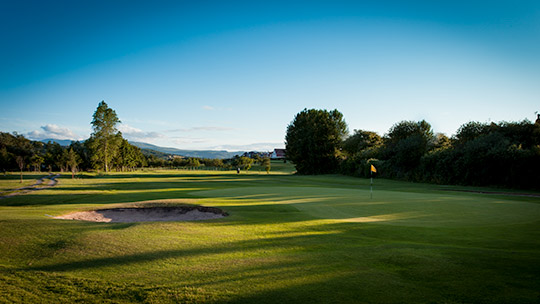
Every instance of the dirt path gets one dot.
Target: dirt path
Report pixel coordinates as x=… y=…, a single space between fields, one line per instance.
x=38 y=185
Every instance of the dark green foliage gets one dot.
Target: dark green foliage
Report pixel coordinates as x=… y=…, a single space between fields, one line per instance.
x=314 y=139
x=16 y=151
x=405 y=144
x=36 y=161
x=362 y=142
x=54 y=154
x=470 y=131
x=128 y=157
x=505 y=154
x=84 y=153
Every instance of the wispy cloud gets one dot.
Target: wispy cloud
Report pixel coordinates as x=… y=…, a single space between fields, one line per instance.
x=54 y=132
x=208 y=108
x=132 y=133
x=203 y=128
x=161 y=123
x=262 y=147
x=183 y=140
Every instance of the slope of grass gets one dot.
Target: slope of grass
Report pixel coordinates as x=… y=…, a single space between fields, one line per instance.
x=288 y=239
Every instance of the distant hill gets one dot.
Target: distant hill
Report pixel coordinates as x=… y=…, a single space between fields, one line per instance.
x=150 y=152
x=164 y=150
x=62 y=142
x=187 y=153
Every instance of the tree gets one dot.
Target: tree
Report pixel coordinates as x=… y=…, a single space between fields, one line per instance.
x=470 y=131
x=53 y=156
x=128 y=156
x=193 y=162
x=72 y=161
x=361 y=141
x=20 y=162
x=266 y=164
x=36 y=161
x=84 y=153
x=106 y=139
x=242 y=162
x=5 y=159
x=404 y=146
x=441 y=142
x=313 y=140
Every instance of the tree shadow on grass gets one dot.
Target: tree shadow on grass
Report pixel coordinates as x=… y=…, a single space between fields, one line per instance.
x=26 y=176
x=331 y=263
x=125 y=192
x=94 y=198
x=188 y=181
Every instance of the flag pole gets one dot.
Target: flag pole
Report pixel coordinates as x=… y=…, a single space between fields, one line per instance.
x=371 y=186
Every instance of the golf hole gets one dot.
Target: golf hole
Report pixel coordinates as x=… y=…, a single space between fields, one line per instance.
x=148 y=214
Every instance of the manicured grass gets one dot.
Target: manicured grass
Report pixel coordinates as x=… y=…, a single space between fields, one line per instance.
x=12 y=180
x=288 y=239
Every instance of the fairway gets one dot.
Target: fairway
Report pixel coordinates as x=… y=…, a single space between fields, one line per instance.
x=287 y=239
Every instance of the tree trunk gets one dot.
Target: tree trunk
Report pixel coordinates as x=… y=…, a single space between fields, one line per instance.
x=106 y=154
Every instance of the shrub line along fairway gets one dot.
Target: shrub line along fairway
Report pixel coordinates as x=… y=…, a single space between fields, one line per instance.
x=287 y=239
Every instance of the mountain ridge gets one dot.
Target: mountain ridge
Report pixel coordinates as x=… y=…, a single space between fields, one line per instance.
x=222 y=154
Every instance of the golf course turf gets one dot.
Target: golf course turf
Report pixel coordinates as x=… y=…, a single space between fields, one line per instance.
x=287 y=239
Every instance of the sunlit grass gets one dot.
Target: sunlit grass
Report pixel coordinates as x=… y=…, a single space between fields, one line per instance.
x=287 y=239
x=12 y=180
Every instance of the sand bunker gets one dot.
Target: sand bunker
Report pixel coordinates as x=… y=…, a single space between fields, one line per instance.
x=153 y=214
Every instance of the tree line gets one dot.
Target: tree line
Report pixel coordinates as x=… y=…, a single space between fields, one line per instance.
x=479 y=154
x=178 y=162
x=106 y=150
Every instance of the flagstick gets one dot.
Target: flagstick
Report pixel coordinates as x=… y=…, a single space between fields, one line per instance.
x=371 y=187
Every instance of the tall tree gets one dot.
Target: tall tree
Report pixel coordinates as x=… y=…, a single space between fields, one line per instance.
x=106 y=139
x=313 y=140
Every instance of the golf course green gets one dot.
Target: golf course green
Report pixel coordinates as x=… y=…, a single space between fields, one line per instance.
x=287 y=239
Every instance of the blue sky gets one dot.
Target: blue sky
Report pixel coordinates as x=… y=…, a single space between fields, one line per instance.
x=233 y=74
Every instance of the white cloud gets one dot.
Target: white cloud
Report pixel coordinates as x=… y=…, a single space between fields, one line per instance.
x=261 y=147
x=183 y=141
x=203 y=128
x=132 y=133
x=208 y=108
x=53 y=131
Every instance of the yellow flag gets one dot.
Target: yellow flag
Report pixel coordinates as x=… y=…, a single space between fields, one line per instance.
x=373 y=169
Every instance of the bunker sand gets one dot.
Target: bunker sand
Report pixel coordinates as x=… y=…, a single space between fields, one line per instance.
x=151 y=214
